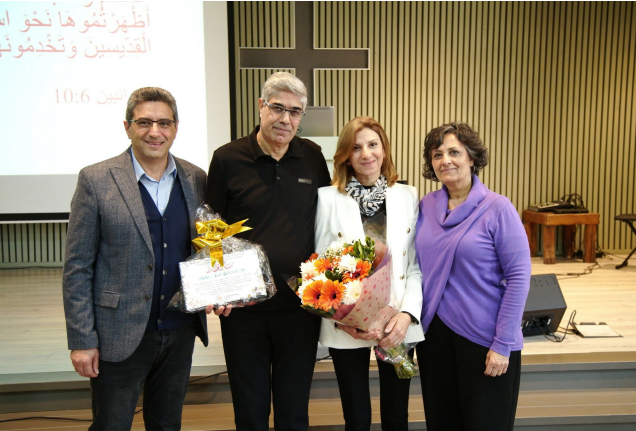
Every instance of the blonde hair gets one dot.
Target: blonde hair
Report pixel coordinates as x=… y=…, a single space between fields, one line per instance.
x=342 y=172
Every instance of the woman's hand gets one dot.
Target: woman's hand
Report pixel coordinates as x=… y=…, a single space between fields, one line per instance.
x=496 y=364
x=380 y=251
x=220 y=310
x=358 y=335
x=395 y=331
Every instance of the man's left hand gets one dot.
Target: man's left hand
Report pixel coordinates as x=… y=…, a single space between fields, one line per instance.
x=219 y=310
x=396 y=330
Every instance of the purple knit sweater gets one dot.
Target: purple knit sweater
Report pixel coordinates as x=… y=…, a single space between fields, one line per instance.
x=475 y=263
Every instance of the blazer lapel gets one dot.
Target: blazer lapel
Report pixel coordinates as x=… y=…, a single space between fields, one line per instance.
x=349 y=217
x=395 y=209
x=185 y=178
x=124 y=176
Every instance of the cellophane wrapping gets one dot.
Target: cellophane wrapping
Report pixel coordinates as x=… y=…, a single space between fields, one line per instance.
x=245 y=278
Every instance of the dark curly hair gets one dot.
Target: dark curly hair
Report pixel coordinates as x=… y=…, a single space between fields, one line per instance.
x=477 y=152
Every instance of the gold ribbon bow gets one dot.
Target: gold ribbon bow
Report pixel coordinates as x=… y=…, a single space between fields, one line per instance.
x=213 y=232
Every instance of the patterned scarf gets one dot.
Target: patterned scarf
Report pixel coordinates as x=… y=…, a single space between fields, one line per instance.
x=369 y=200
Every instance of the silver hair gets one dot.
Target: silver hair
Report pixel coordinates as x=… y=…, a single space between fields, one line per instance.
x=283 y=81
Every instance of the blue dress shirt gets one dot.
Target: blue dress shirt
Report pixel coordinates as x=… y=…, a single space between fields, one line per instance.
x=159 y=190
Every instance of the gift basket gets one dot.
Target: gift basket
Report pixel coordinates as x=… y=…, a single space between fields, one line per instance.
x=225 y=270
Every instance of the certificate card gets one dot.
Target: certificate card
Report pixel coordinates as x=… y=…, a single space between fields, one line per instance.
x=239 y=281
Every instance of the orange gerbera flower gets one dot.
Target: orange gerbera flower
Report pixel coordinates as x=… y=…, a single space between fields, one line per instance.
x=363 y=267
x=347 y=250
x=349 y=276
x=322 y=265
x=312 y=257
x=312 y=294
x=331 y=297
x=362 y=271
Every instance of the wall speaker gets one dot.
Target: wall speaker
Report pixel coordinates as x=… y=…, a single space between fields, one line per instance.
x=545 y=306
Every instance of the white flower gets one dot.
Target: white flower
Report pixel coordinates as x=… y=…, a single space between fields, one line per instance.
x=353 y=289
x=307 y=269
x=302 y=287
x=320 y=277
x=334 y=249
x=347 y=263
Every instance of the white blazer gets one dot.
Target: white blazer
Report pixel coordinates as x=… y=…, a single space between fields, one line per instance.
x=338 y=219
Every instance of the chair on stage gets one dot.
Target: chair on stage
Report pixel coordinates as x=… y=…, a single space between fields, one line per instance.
x=629 y=219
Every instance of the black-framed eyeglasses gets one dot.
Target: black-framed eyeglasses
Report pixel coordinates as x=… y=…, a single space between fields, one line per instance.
x=278 y=110
x=145 y=123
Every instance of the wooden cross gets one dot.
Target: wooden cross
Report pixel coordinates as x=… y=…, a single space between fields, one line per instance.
x=304 y=57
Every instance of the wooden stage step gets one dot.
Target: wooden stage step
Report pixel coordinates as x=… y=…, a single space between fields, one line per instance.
x=598 y=409
x=586 y=391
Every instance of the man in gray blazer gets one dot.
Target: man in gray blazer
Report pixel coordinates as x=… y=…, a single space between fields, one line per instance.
x=131 y=223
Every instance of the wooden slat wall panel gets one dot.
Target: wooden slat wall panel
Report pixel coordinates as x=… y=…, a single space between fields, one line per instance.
x=549 y=86
x=258 y=25
x=33 y=243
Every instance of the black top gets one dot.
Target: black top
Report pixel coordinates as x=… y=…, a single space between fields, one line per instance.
x=375 y=226
x=278 y=197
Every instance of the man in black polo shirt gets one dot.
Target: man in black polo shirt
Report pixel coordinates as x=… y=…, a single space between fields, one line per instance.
x=271 y=177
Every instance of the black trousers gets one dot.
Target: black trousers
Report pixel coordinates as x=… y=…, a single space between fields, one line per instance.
x=352 y=372
x=270 y=353
x=161 y=364
x=457 y=395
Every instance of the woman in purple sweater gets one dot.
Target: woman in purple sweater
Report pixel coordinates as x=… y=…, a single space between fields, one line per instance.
x=475 y=262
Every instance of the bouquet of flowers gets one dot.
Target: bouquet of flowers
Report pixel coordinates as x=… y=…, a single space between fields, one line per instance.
x=350 y=284
x=335 y=278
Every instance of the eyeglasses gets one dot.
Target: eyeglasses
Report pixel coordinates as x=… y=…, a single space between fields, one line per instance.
x=145 y=123
x=278 y=110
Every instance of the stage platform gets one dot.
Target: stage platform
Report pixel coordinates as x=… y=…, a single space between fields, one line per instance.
x=580 y=383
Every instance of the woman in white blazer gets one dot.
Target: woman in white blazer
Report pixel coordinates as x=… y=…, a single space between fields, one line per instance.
x=364 y=195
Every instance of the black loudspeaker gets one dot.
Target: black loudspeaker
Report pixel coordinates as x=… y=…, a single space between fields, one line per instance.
x=545 y=306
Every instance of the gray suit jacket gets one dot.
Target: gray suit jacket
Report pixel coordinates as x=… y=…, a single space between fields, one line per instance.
x=108 y=269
